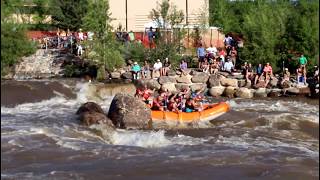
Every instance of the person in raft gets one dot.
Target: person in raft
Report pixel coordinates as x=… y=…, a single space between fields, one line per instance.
x=145 y=95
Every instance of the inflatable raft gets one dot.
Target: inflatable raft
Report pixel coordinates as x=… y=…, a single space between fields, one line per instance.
x=210 y=112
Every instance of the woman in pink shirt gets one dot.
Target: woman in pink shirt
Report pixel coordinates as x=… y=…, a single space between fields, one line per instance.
x=268 y=73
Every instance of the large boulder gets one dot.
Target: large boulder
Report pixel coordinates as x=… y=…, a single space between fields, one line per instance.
x=167 y=79
x=184 y=79
x=230 y=91
x=216 y=91
x=244 y=93
x=200 y=77
x=89 y=118
x=169 y=86
x=260 y=92
x=305 y=91
x=215 y=79
x=181 y=86
x=89 y=107
x=129 y=112
x=286 y=84
x=115 y=75
x=273 y=82
x=171 y=72
x=225 y=74
x=274 y=93
x=241 y=82
x=127 y=75
x=156 y=74
x=150 y=83
x=198 y=86
x=229 y=82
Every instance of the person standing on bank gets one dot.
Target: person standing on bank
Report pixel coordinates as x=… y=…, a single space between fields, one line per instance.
x=201 y=53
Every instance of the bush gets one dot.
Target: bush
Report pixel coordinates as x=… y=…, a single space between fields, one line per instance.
x=14 y=45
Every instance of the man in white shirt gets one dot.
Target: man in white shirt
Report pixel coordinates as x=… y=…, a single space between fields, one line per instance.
x=212 y=51
x=156 y=67
x=228 y=66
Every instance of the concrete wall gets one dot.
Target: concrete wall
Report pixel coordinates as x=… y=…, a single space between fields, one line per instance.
x=139 y=10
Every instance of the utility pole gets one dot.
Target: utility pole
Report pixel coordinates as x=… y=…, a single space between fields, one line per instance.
x=187 y=20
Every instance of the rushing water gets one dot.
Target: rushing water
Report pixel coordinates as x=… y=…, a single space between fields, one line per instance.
x=257 y=139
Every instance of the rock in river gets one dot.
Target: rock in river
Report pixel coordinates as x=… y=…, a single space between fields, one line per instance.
x=129 y=112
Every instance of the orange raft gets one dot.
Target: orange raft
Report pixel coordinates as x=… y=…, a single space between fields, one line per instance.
x=210 y=112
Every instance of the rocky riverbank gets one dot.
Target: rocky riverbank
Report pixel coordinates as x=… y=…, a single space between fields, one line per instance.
x=50 y=64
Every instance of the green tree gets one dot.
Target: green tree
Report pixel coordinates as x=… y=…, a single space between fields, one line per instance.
x=169 y=42
x=105 y=50
x=68 y=14
x=14 y=43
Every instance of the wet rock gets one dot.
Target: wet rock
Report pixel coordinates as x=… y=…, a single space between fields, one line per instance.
x=184 y=79
x=304 y=91
x=274 y=93
x=129 y=112
x=286 y=84
x=260 y=92
x=292 y=91
x=169 y=86
x=127 y=75
x=89 y=107
x=229 y=82
x=215 y=79
x=244 y=93
x=167 y=79
x=216 y=91
x=90 y=118
x=200 y=77
x=230 y=91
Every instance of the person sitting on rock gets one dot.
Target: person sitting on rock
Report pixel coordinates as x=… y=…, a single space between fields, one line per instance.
x=267 y=70
x=259 y=72
x=156 y=68
x=205 y=66
x=166 y=67
x=316 y=74
x=145 y=70
x=183 y=67
x=214 y=67
x=249 y=72
x=286 y=76
x=136 y=70
x=228 y=66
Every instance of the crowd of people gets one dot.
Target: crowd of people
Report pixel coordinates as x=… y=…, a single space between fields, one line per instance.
x=183 y=101
x=72 y=41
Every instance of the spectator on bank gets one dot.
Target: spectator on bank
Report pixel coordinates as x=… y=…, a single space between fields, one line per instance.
x=233 y=54
x=316 y=74
x=166 y=67
x=286 y=76
x=145 y=70
x=303 y=61
x=131 y=36
x=150 y=36
x=249 y=72
x=80 y=35
x=136 y=70
x=205 y=66
x=214 y=67
x=268 y=73
x=228 y=66
x=212 y=51
x=301 y=75
x=79 y=49
x=157 y=68
x=259 y=72
x=244 y=68
x=201 y=53
x=183 y=67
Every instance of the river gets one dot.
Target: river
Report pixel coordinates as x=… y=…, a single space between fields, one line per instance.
x=41 y=138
